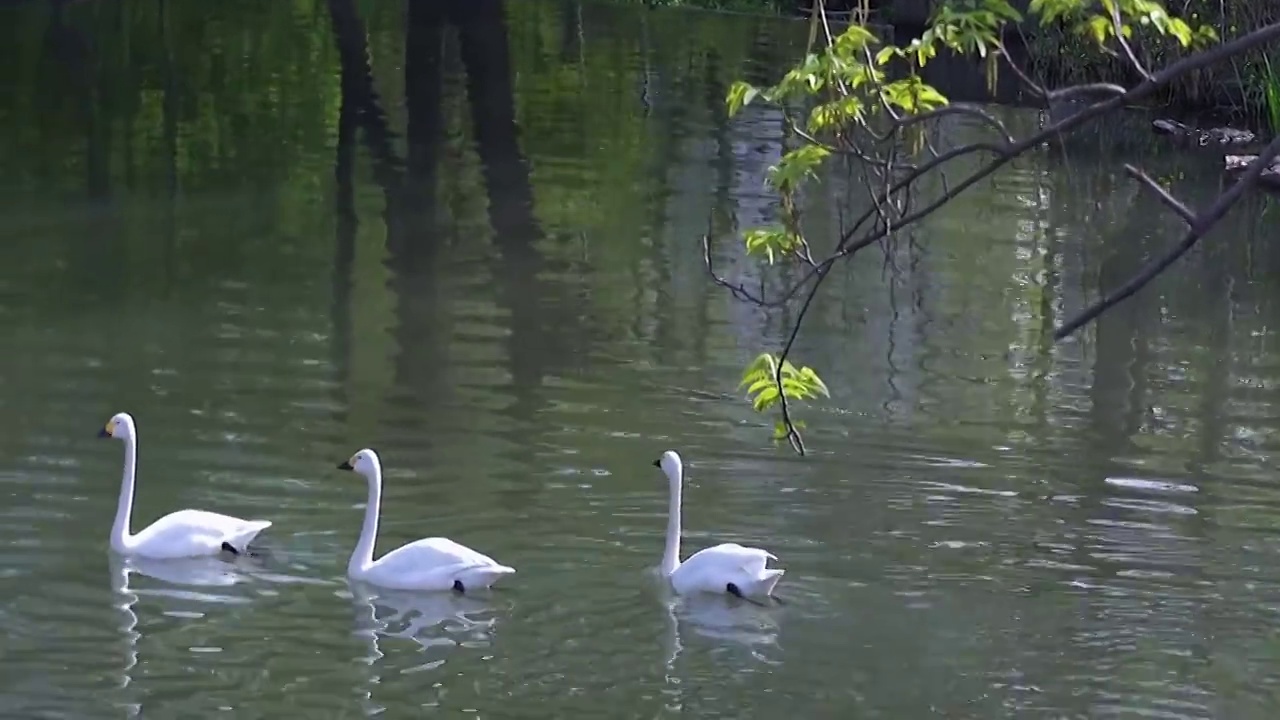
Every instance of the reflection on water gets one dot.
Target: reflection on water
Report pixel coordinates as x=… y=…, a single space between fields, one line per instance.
x=438 y=623
x=466 y=234
x=184 y=592
x=725 y=621
x=728 y=628
x=179 y=601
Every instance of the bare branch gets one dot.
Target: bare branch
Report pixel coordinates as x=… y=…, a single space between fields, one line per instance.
x=1068 y=93
x=793 y=436
x=1200 y=224
x=1117 y=25
x=1007 y=154
x=1036 y=88
x=739 y=290
x=958 y=109
x=1176 y=205
x=893 y=210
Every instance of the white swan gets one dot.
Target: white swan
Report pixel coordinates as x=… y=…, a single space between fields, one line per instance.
x=726 y=568
x=429 y=564
x=185 y=533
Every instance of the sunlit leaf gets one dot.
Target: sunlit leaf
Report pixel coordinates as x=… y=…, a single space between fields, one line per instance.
x=1100 y=28
x=770 y=242
x=739 y=96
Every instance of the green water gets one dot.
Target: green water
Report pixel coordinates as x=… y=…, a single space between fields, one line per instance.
x=279 y=232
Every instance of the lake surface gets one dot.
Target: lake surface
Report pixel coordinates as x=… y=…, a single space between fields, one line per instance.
x=279 y=232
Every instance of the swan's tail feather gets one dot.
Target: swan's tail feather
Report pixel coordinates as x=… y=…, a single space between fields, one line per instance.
x=483 y=576
x=250 y=530
x=768 y=581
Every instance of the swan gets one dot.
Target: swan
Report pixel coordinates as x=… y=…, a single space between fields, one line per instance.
x=725 y=568
x=429 y=564
x=181 y=534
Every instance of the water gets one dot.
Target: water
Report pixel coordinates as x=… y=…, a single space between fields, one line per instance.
x=479 y=254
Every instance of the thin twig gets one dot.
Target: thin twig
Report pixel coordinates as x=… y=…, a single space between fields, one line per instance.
x=1199 y=225
x=1117 y=25
x=891 y=206
x=1176 y=205
x=1007 y=154
x=965 y=109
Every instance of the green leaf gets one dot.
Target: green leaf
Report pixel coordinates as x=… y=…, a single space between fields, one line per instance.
x=912 y=95
x=1002 y=9
x=739 y=96
x=887 y=53
x=779 y=430
x=795 y=166
x=770 y=242
x=814 y=381
x=1100 y=28
x=853 y=41
x=1181 y=31
x=767 y=382
x=766 y=399
x=929 y=98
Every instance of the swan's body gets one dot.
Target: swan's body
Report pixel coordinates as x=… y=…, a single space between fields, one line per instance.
x=432 y=564
x=725 y=568
x=429 y=564
x=185 y=533
x=715 y=568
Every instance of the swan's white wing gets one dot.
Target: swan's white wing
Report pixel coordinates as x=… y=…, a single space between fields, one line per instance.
x=433 y=564
x=732 y=556
x=428 y=553
x=713 y=568
x=187 y=533
x=227 y=524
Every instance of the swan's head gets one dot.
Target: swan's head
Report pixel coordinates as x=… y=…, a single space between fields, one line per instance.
x=364 y=462
x=120 y=427
x=670 y=464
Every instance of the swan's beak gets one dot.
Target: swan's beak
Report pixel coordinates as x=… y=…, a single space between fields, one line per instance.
x=657 y=463
x=102 y=432
x=345 y=465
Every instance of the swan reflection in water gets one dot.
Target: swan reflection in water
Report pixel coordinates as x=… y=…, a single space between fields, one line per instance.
x=436 y=621
x=431 y=619
x=200 y=572
x=728 y=621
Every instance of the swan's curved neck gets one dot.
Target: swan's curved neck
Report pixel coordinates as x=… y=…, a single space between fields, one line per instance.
x=121 y=539
x=671 y=556
x=362 y=556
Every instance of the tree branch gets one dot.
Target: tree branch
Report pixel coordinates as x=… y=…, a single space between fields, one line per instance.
x=1200 y=224
x=1176 y=205
x=892 y=210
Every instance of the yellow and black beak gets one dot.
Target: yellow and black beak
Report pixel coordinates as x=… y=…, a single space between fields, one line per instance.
x=104 y=433
x=345 y=465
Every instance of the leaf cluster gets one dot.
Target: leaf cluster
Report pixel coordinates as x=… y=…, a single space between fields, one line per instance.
x=840 y=94
x=771 y=379
x=1101 y=20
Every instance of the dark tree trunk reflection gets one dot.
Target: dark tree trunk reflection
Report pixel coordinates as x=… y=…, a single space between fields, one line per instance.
x=1118 y=393
x=486 y=57
x=411 y=191
x=358 y=88
x=482 y=29
x=171 y=111
x=79 y=62
x=422 y=334
x=75 y=56
x=345 y=225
